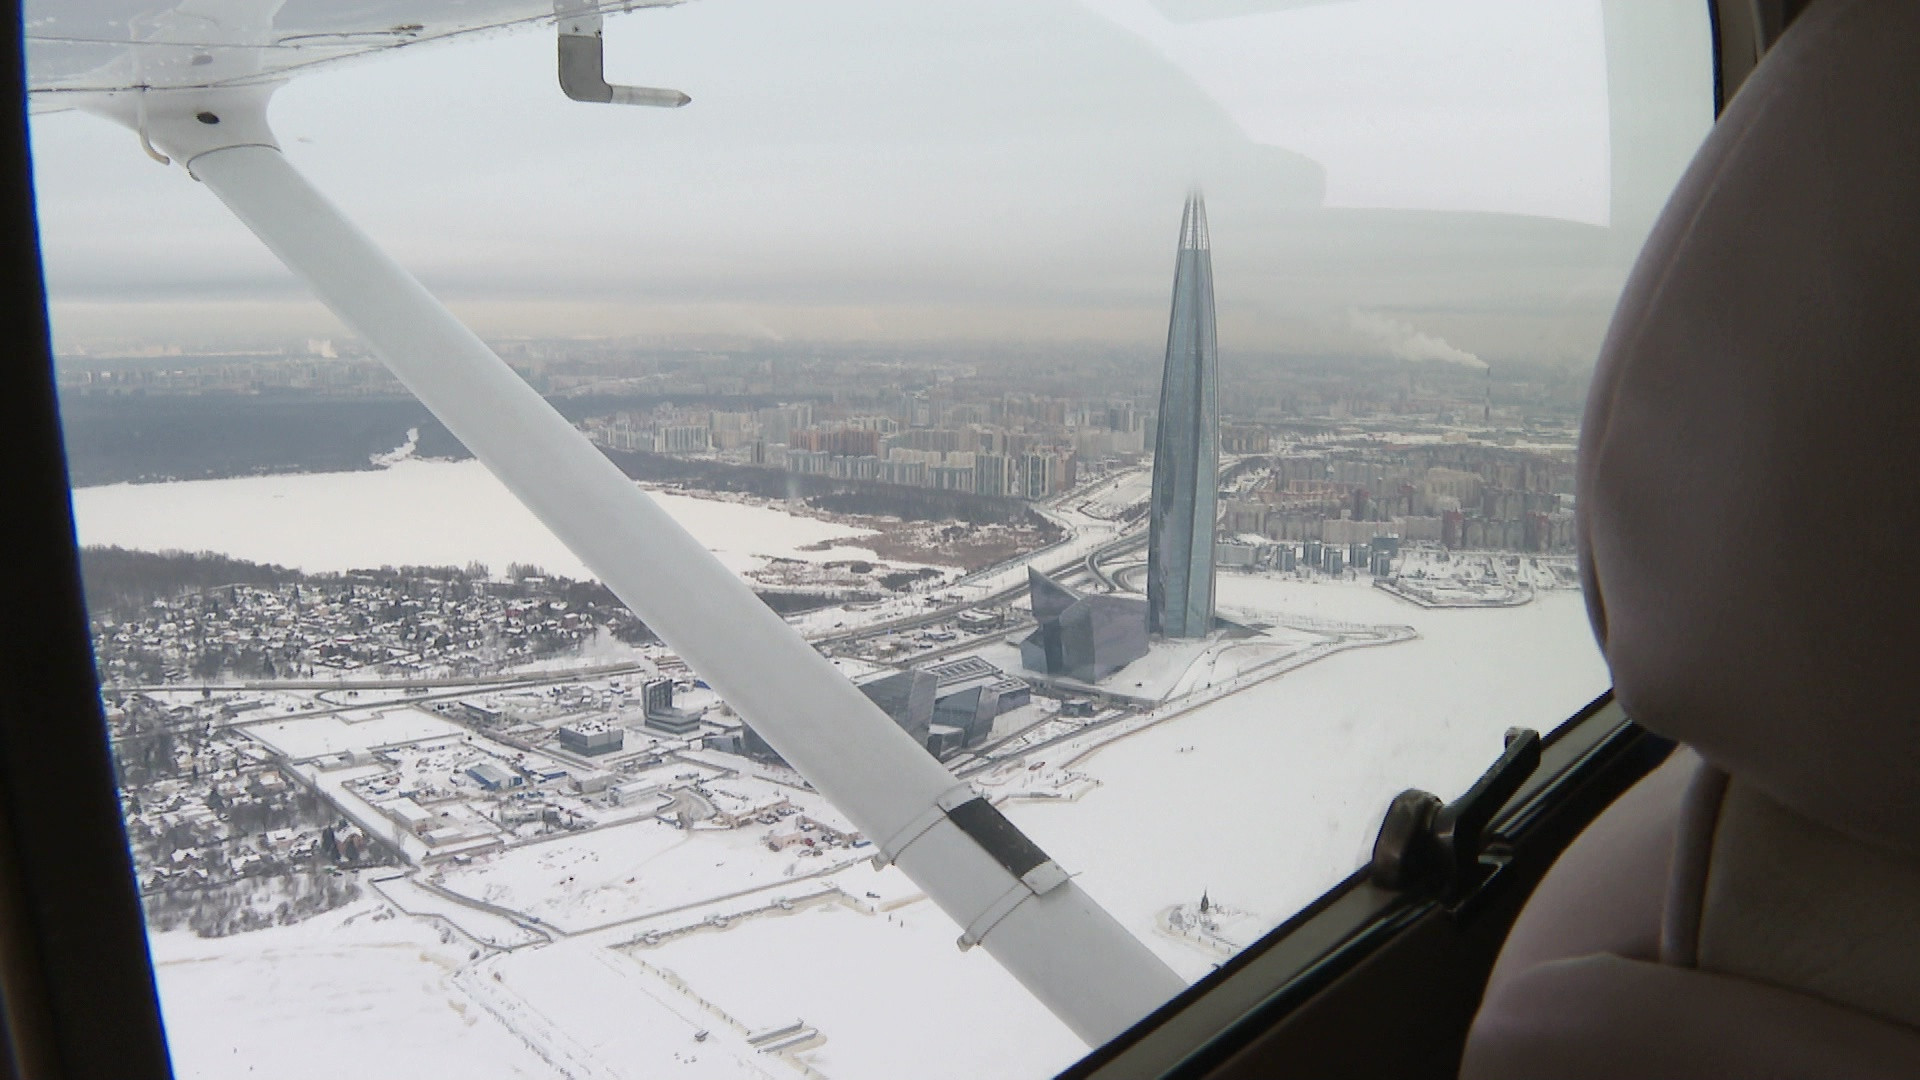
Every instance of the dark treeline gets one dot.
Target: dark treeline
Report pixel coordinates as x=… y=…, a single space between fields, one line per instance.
x=114 y=438
x=922 y=504
x=111 y=439
x=119 y=581
x=793 y=603
x=252 y=903
x=123 y=579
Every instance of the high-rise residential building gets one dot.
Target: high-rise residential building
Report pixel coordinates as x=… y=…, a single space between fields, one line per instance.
x=1046 y=473
x=993 y=474
x=680 y=439
x=1186 y=452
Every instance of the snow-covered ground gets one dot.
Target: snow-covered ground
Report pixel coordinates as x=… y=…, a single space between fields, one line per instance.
x=1117 y=496
x=334 y=783
x=597 y=1014
x=301 y=1002
x=360 y=730
x=482 y=927
x=629 y=871
x=884 y=984
x=1088 y=531
x=428 y=513
x=1264 y=799
x=1261 y=798
x=1271 y=795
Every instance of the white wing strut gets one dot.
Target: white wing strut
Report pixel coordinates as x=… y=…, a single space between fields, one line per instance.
x=1004 y=892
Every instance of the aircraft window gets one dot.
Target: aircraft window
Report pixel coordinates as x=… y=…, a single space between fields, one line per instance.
x=882 y=319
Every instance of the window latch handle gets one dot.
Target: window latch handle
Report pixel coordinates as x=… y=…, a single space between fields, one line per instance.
x=1429 y=845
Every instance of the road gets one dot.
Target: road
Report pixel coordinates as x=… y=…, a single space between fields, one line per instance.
x=1096 y=561
x=467 y=688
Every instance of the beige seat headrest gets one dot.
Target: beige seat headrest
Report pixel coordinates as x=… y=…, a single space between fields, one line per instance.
x=1748 y=497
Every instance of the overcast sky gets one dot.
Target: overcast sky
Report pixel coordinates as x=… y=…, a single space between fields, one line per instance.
x=1379 y=173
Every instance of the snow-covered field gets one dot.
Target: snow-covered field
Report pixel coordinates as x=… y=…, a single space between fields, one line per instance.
x=300 y=1002
x=1282 y=789
x=359 y=730
x=429 y=513
x=628 y=871
x=483 y=927
x=596 y=1014
x=888 y=990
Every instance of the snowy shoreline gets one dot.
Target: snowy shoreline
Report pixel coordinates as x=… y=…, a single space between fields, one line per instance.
x=419 y=512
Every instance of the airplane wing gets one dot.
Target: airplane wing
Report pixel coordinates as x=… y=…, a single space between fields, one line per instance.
x=84 y=49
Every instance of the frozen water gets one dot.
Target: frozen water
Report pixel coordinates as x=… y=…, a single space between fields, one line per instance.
x=415 y=512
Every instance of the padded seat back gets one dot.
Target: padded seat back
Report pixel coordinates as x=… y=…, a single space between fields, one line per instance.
x=1747 y=506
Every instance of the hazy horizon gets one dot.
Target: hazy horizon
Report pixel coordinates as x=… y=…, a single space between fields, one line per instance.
x=1011 y=173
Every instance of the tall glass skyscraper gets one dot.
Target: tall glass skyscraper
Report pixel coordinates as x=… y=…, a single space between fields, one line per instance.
x=1186 y=451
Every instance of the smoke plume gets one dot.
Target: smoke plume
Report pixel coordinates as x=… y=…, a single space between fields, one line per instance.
x=1406 y=343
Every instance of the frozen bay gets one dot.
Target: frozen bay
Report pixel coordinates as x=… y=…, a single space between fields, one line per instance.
x=414 y=512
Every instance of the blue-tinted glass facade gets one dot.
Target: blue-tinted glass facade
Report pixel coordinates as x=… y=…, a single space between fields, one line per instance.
x=1082 y=637
x=1186 y=452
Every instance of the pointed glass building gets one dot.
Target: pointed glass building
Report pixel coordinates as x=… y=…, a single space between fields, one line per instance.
x=1186 y=451
x=1082 y=637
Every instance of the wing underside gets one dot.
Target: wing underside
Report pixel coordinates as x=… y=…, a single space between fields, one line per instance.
x=80 y=49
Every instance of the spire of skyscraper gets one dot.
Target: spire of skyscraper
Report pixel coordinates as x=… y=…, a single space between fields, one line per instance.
x=1193 y=226
x=1186 y=453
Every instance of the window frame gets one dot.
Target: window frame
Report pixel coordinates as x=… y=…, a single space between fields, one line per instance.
x=77 y=995
x=1585 y=763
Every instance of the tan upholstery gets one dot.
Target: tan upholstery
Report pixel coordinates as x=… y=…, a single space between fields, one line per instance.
x=1606 y=892
x=1693 y=848
x=1607 y=1018
x=1747 y=509
x=1745 y=493
x=1808 y=945
x=1792 y=903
